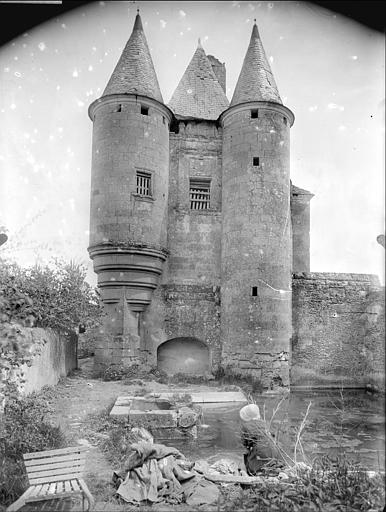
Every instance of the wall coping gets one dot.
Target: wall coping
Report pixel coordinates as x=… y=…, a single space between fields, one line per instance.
x=334 y=276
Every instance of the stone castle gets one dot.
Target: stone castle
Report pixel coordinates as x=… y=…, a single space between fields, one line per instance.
x=201 y=242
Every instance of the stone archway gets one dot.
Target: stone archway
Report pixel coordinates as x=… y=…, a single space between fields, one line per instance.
x=183 y=355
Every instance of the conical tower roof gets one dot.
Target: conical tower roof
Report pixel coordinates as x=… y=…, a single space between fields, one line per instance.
x=135 y=73
x=199 y=93
x=256 y=81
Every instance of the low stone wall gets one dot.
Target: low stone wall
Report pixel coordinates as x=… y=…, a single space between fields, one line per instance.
x=338 y=331
x=53 y=356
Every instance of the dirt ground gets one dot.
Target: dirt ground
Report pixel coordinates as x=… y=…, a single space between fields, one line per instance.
x=73 y=399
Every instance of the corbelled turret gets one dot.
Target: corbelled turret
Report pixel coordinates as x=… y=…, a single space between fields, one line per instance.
x=129 y=197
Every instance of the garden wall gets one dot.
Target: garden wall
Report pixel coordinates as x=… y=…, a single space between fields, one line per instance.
x=53 y=356
x=338 y=331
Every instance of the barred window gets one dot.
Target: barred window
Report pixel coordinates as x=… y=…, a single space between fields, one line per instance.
x=199 y=194
x=144 y=184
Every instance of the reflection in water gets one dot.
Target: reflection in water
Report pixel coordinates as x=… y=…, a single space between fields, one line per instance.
x=353 y=422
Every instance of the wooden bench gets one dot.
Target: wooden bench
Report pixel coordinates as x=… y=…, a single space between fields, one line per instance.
x=55 y=474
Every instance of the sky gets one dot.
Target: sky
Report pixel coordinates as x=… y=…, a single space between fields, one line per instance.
x=329 y=71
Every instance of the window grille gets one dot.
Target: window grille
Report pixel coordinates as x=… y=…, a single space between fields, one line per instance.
x=144 y=184
x=199 y=194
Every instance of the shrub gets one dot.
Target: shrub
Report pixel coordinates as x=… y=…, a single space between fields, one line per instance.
x=333 y=484
x=246 y=381
x=55 y=295
x=25 y=429
x=86 y=344
x=119 y=371
x=135 y=371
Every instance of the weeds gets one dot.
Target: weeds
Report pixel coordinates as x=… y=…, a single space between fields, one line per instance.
x=133 y=372
x=248 y=382
x=331 y=485
x=26 y=429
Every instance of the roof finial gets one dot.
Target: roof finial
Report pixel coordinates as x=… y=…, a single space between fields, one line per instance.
x=199 y=42
x=255 y=30
x=254 y=20
x=138 y=22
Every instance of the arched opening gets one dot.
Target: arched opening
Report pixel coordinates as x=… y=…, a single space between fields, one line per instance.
x=183 y=355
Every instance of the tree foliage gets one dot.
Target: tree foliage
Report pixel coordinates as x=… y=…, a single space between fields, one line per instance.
x=55 y=296
x=52 y=296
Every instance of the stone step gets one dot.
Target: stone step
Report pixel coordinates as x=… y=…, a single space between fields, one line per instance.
x=206 y=397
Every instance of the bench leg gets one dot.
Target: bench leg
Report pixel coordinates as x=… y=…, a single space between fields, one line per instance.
x=87 y=493
x=20 y=502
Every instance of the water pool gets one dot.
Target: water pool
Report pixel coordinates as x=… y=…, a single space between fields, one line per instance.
x=352 y=421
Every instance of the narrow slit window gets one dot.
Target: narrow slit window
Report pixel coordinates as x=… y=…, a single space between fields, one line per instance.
x=144 y=184
x=254 y=291
x=199 y=194
x=285 y=120
x=118 y=108
x=256 y=161
x=144 y=110
x=163 y=120
x=254 y=113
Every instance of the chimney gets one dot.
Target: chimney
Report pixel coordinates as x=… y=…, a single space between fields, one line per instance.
x=219 y=71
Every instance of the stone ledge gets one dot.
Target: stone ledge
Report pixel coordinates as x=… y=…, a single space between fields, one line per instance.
x=156 y=419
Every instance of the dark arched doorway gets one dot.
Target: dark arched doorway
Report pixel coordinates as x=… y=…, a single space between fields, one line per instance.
x=183 y=355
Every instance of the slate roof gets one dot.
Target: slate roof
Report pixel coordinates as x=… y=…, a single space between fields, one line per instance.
x=256 y=81
x=199 y=93
x=300 y=191
x=135 y=73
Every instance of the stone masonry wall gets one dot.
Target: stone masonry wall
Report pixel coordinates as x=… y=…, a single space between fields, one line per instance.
x=300 y=220
x=124 y=142
x=53 y=355
x=338 y=330
x=194 y=236
x=256 y=254
x=182 y=311
x=186 y=304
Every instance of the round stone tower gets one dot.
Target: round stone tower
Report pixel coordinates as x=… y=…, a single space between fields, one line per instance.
x=129 y=197
x=256 y=222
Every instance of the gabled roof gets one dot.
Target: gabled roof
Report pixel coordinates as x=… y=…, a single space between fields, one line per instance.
x=135 y=73
x=199 y=94
x=256 y=81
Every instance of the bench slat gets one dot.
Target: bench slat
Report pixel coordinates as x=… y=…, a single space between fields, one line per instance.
x=54 y=460
x=59 y=487
x=75 y=485
x=56 y=465
x=51 y=489
x=67 y=486
x=35 y=491
x=54 y=478
x=44 y=489
x=51 y=453
x=53 y=472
